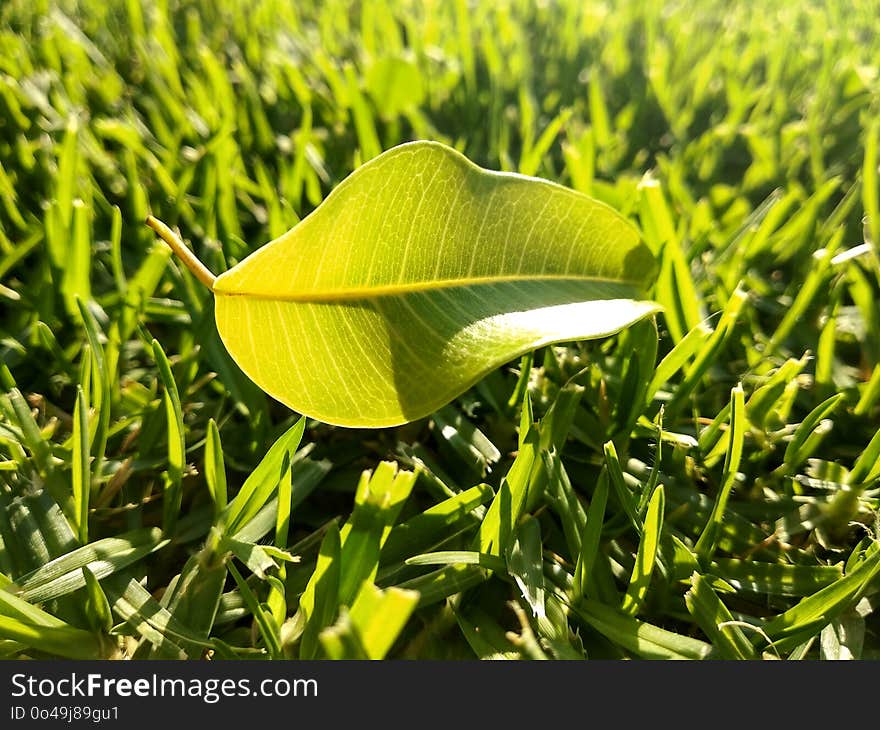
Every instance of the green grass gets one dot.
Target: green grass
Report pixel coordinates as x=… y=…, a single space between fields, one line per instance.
x=705 y=486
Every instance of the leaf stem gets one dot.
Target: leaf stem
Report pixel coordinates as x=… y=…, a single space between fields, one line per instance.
x=199 y=270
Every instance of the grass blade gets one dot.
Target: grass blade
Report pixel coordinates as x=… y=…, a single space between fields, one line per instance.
x=172 y=495
x=81 y=475
x=646 y=555
x=716 y=621
x=708 y=540
x=215 y=469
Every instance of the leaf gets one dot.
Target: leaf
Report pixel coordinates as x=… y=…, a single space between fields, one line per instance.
x=379 y=498
x=447 y=581
x=590 y=539
x=376 y=618
x=716 y=621
x=434 y=524
x=678 y=356
x=63 y=641
x=867 y=466
x=97 y=607
x=194 y=599
x=215 y=470
x=81 y=477
x=253 y=556
x=462 y=441
x=459 y=557
x=486 y=637
x=176 y=441
x=265 y=624
x=776 y=579
x=105 y=557
x=417 y=276
x=647 y=554
x=622 y=492
x=640 y=638
x=795 y=453
x=525 y=565
x=258 y=487
x=342 y=640
x=799 y=622
x=843 y=638
x=320 y=600
x=500 y=521
x=708 y=540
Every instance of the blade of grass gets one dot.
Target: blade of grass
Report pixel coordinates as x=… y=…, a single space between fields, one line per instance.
x=258 y=487
x=172 y=494
x=81 y=472
x=215 y=469
x=583 y=584
x=646 y=555
x=263 y=618
x=716 y=621
x=708 y=540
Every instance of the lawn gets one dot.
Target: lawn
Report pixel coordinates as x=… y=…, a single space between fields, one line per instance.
x=703 y=484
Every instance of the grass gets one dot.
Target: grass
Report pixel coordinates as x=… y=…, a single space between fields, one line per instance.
x=705 y=486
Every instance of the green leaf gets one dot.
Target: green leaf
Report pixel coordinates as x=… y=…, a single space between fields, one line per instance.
x=775 y=579
x=101 y=384
x=103 y=558
x=97 y=606
x=622 y=492
x=500 y=521
x=378 y=617
x=459 y=557
x=265 y=623
x=282 y=518
x=434 y=524
x=419 y=275
x=176 y=441
x=320 y=600
x=870 y=196
x=378 y=501
x=708 y=540
x=82 y=475
x=65 y=641
x=795 y=453
x=590 y=539
x=193 y=599
x=18 y=412
x=525 y=565
x=447 y=581
x=708 y=354
x=254 y=556
x=867 y=466
x=263 y=480
x=843 y=638
x=716 y=621
x=798 y=623
x=486 y=637
x=646 y=555
x=640 y=638
x=215 y=469
x=683 y=308
x=456 y=434
x=563 y=500
x=342 y=640
x=23 y=622
x=678 y=356
x=871 y=395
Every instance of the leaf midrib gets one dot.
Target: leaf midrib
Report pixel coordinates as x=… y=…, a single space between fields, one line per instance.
x=390 y=290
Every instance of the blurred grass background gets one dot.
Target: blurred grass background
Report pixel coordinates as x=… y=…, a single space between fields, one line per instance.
x=742 y=139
